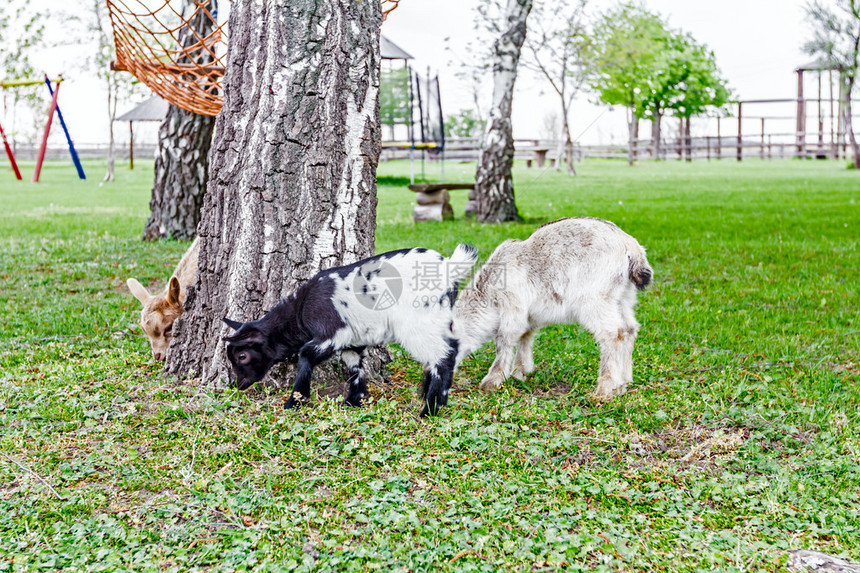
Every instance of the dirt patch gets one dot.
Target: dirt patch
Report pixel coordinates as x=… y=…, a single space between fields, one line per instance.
x=699 y=445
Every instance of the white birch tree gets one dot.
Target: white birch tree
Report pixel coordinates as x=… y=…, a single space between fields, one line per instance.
x=292 y=186
x=494 y=188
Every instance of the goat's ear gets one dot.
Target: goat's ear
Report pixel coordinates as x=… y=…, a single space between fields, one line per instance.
x=232 y=323
x=173 y=291
x=138 y=290
x=248 y=335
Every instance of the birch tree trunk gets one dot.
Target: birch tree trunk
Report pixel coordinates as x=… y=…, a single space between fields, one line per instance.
x=184 y=140
x=632 y=122
x=181 y=172
x=292 y=188
x=849 y=123
x=111 y=158
x=567 y=148
x=494 y=186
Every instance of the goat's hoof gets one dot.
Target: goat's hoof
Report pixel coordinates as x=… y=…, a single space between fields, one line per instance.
x=607 y=394
x=599 y=397
x=292 y=404
x=429 y=410
x=490 y=384
x=353 y=401
x=520 y=375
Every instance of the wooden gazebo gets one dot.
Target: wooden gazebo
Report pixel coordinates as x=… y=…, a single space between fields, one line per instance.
x=836 y=131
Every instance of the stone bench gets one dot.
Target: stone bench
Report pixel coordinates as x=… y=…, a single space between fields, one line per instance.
x=433 y=202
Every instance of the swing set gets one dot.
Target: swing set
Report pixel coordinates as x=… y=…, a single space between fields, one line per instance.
x=54 y=92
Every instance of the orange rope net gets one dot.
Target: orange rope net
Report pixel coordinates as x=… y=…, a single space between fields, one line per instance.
x=177 y=48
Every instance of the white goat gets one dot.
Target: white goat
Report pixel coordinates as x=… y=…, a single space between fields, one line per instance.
x=580 y=270
x=160 y=311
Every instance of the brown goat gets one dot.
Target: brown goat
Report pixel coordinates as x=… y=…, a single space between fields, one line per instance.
x=161 y=310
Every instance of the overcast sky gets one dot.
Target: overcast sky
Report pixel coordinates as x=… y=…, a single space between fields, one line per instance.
x=756 y=43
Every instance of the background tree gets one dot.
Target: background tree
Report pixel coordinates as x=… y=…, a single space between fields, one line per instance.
x=835 y=27
x=184 y=140
x=464 y=123
x=394 y=98
x=22 y=33
x=94 y=30
x=558 y=48
x=90 y=28
x=181 y=173
x=293 y=183
x=702 y=87
x=628 y=39
x=684 y=79
x=473 y=68
x=662 y=88
x=494 y=187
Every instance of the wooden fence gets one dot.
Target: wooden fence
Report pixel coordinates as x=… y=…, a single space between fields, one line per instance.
x=85 y=151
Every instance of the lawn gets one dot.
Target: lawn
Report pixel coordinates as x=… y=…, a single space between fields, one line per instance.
x=738 y=441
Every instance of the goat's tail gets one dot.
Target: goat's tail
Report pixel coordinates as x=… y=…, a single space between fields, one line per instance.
x=638 y=269
x=461 y=261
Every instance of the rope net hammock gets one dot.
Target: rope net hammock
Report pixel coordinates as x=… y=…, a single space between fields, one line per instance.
x=177 y=48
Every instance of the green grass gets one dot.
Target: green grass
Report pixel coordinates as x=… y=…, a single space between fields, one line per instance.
x=739 y=440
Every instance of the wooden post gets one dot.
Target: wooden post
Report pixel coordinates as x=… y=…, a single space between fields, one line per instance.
x=681 y=139
x=708 y=145
x=834 y=152
x=841 y=150
x=761 y=151
x=820 y=119
x=770 y=147
x=719 y=141
x=801 y=114
x=131 y=145
x=688 y=141
x=740 y=132
x=635 y=138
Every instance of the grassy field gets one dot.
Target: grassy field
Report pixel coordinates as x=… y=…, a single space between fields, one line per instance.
x=739 y=440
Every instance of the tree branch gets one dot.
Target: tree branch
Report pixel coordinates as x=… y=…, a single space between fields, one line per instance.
x=34 y=474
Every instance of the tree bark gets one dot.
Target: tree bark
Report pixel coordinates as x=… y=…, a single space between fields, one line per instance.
x=181 y=172
x=568 y=155
x=566 y=144
x=293 y=183
x=635 y=138
x=688 y=140
x=656 y=125
x=849 y=123
x=631 y=135
x=494 y=186
x=111 y=158
x=184 y=140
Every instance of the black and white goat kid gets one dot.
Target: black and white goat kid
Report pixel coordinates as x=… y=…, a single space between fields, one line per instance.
x=404 y=296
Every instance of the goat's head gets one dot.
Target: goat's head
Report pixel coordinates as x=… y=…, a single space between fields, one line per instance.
x=158 y=314
x=249 y=352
